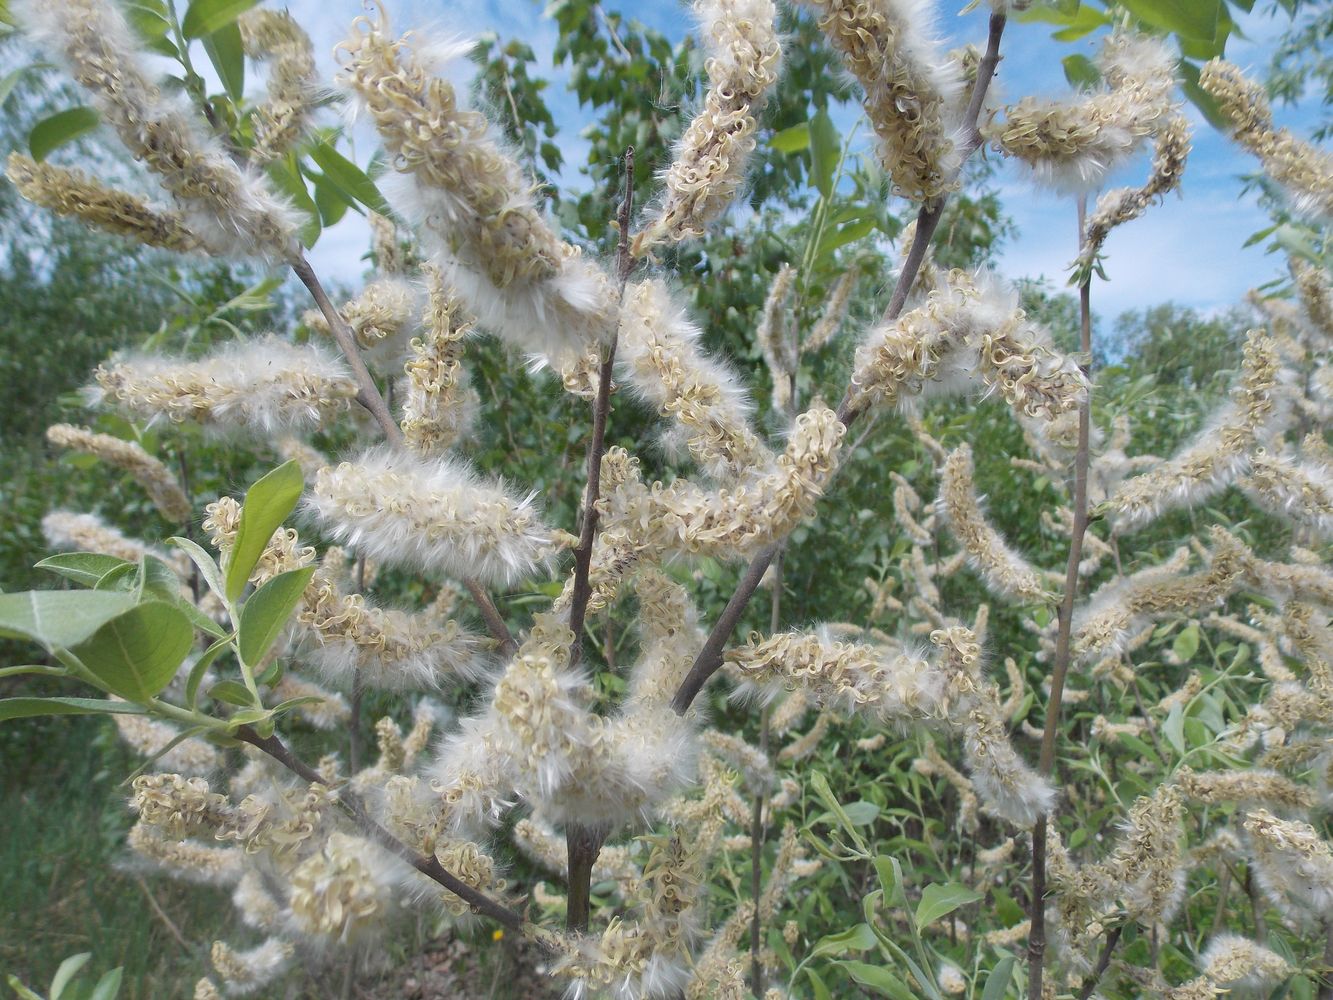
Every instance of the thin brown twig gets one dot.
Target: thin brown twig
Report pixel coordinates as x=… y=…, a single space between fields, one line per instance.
x=582 y=842
x=1060 y=666
x=709 y=659
x=351 y=803
x=490 y=614
x=368 y=393
x=582 y=590
x=1112 y=940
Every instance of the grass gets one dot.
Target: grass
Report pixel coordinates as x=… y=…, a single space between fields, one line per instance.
x=62 y=827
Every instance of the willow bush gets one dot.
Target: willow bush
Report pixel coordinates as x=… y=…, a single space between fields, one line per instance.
x=563 y=669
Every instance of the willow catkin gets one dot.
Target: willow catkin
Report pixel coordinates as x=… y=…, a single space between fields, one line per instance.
x=1005 y=571
x=431 y=513
x=229 y=207
x=438 y=403
x=73 y=193
x=1073 y=145
x=1126 y=204
x=1305 y=171
x=266 y=385
x=743 y=53
x=969 y=333
x=776 y=344
x=471 y=202
x=910 y=89
x=276 y=38
x=661 y=357
x=1220 y=452
x=129 y=456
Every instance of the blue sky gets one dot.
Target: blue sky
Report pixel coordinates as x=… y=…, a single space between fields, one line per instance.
x=1188 y=249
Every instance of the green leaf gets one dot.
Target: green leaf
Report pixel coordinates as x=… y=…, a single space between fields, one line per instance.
x=108 y=987
x=835 y=239
x=890 y=878
x=62 y=127
x=25 y=708
x=59 y=617
x=861 y=813
x=22 y=991
x=232 y=693
x=817 y=985
x=940 y=900
x=200 y=668
x=208 y=567
x=266 y=506
x=857 y=938
x=1193 y=19
x=330 y=202
x=67 y=971
x=137 y=653
x=267 y=612
x=1174 y=727
x=998 y=981
x=203 y=17
x=877 y=978
x=1186 y=644
x=227 y=55
x=1080 y=71
x=791 y=140
x=1201 y=99
x=348 y=178
x=286 y=174
x=9 y=82
x=825 y=150
x=84 y=568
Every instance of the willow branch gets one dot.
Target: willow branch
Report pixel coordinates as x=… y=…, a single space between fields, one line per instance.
x=1112 y=940
x=582 y=591
x=368 y=393
x=1060 y=666
x=351 y=803
x=709 y=660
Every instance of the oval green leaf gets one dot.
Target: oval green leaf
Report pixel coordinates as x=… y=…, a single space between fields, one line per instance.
x=267 y=611
x=136 y=654
x=59 y=617
x=266 y=506
x=348 y=178
x=84 y=568
x=879 y=979
x=858 y=938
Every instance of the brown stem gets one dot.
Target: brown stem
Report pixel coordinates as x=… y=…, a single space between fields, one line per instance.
x=582 y=845
x=709 y=659
x=1112 y=940
x=1256 y=907
x=582 y=590
x=495 y=624
x=351 y=803
x=368 y=393
x=1060 y=667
